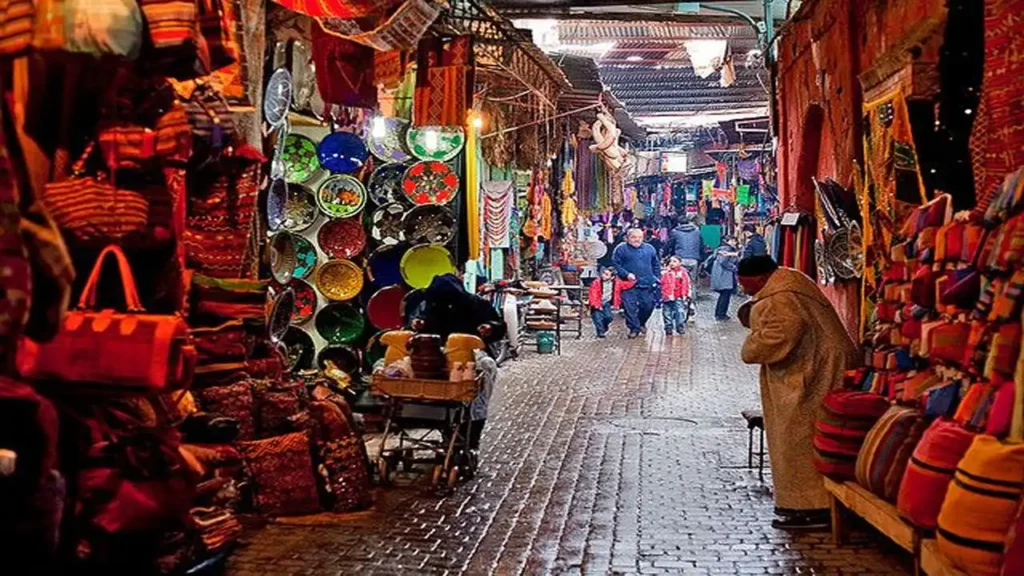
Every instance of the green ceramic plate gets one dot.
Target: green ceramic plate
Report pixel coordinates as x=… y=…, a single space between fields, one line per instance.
x=300 y=160
x=340 y=323
x=341 y=196
x=441 y=143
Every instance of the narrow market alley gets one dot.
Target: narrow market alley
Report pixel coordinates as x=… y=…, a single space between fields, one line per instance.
x=624 y=457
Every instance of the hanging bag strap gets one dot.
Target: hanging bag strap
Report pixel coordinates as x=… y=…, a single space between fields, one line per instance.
x=131 y=294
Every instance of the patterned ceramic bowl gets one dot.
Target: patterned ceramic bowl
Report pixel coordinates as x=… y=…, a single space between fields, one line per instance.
x=339 y=280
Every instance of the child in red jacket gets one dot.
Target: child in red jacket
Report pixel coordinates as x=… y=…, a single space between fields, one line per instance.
x=675 y=296
x=605 y=294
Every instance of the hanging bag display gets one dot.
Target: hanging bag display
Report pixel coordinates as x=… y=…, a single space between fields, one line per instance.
x=210 y=118
x=127 y=351
x=93 y=210
x=982 y=502
x=217 y=24
x=177 y=45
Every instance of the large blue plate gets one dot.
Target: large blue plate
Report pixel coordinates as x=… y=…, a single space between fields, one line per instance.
x=342 y=153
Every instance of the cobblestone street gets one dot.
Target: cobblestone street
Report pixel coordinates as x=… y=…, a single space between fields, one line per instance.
x=619 y=457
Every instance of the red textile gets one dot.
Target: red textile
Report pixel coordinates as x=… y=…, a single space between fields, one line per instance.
x=344 y=70
x=930 y=471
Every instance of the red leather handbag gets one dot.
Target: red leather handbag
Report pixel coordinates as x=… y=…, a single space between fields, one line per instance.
x=129 y=351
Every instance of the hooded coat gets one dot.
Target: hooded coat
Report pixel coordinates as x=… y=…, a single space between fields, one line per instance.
x=685 y=241
x=803 y=349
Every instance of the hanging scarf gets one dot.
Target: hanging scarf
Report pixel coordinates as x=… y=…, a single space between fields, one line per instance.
x=498 y=200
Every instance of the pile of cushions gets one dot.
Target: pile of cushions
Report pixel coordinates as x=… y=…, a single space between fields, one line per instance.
x=845 y=419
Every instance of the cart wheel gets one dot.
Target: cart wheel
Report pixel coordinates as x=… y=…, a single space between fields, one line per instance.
x=383 y=471
x=435 y=477
x=453 y=477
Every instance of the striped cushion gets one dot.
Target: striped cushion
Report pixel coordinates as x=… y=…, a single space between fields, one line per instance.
x=887 y=448
x=981 y=506
x=930 y=471
x=844 y=420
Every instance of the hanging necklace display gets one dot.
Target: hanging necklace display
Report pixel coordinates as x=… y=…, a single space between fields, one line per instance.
x=430 y=183
x=497 y=212
x=277 y=99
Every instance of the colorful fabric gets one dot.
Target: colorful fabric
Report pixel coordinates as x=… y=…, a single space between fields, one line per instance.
x=887 y=448
x=981 y=505
x=930 y=471
x=843 y=423
x=282 y=473
x=344 y=9
x=344 y=70
x=444 y=81
x=234 y=401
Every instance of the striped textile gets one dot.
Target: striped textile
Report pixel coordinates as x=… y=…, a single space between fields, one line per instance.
x=930 y=471
x=16 y=21
x=982 y=505
x=886 y=450
x=843 y=422
x=171 y=23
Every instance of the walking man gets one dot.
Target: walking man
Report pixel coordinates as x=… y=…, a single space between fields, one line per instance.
x=803 y=349
x=637 y=261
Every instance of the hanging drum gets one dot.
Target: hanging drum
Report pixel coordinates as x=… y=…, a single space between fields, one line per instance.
x=344 y=238
x=299 y=158
x=305 y=257
x=430 y=183
x=341 y=196
x=440 y=143
x=386 y=183
x=282 y=256
x=386 y=224
x=385 y=308
x=422 y=263
x=340 y=323
x=430 y=224
x=387 y=139
x=385 y=265
x=339 y=280
x=342 y=153
x=300 y=349
x=344 y=358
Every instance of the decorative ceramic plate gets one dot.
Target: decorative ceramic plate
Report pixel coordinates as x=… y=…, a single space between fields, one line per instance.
x=282 y=257
x=300 y=347
x=300 y=211
x=277 y=199
x=430 y=183
x=342 y=152
x=386 y=183
x=342 y=238
x=305 y=257
x=279 y=315
x=429 y=224
x=340 y=323
x=305 y=301
x=343 y=357
x=422 y=263
x=385 y=265
x=341 y=196
x=278 y=97
x=386 y=224
x=339 y=280
x=385 y=308
x=441 y=143
x=391 y=146
x=299 y=157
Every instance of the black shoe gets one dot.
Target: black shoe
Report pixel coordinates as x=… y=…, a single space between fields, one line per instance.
x=668 y=333
x=803 y=521
x=601 y=336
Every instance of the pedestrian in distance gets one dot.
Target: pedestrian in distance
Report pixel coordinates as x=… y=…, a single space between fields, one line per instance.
x=804 y=350
x=723 y=276
x=605 y=295
x=637 y=261
x=675 y=296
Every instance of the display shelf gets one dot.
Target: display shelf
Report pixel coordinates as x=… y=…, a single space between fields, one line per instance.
x=933 y=563
x=877 y=512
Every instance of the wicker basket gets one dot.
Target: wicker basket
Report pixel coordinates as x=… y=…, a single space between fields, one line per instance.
x=417 y=389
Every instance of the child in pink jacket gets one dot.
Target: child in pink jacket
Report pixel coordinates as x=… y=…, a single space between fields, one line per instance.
x=675 y=296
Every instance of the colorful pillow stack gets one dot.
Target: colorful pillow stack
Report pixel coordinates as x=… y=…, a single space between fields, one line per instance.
x=930 y=472
x=844 y=421
x=886 y=450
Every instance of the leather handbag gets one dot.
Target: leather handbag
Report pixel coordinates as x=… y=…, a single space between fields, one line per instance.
x=92 y=209
x=127 y=351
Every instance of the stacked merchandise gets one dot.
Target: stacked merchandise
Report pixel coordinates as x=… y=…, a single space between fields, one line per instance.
x=945 y=349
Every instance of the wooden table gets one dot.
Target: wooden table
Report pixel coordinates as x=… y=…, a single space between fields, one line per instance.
x=877 y=512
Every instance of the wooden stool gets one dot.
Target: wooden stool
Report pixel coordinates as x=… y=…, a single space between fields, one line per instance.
x=755 y=420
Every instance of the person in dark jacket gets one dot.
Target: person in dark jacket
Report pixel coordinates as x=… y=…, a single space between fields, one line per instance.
x=686 y=242
x=756 y=244
x=723 y=276
x=445 y=308
x=636 y=260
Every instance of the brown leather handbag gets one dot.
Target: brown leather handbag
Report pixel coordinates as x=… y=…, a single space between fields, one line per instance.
x=124 y=351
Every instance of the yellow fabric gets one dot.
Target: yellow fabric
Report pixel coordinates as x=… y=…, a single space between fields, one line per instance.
x=473 y=188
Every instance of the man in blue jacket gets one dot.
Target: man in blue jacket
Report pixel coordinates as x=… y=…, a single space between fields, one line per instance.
x=637 y=261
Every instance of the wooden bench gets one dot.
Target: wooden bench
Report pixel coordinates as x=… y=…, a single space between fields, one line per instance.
x=877 y=512
x=933 y=563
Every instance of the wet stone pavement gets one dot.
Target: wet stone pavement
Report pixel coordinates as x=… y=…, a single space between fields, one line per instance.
x=618 y=457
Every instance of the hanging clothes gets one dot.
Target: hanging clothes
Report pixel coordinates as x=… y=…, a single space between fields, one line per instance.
x=498 y=200
x=444 y=81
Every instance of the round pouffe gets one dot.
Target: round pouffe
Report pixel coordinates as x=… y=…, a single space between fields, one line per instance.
x=339 y=280
x=343 y=238
x=342 y=153
x=340 y=323
x=421 y=264
x=385 y=308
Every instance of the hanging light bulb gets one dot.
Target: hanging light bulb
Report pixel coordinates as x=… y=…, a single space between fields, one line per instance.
x=431 y=139
x=379 y=128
